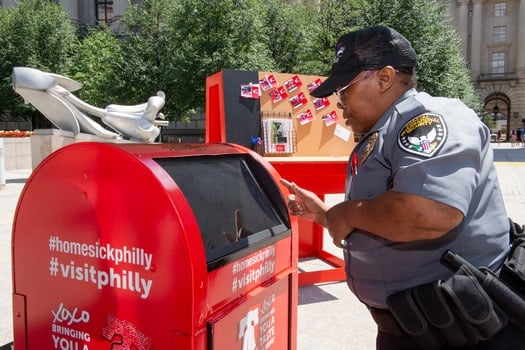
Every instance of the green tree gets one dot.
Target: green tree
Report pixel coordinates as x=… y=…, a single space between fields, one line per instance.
x=147 y=64
x=220 y=34
x=324 y=21
x=174 y=45
x=441 y=68
x=96 y=63
x=489 y=121
x=287 y=33
x=37 y=34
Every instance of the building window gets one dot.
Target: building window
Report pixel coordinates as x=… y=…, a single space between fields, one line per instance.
x=104 y=10
x=500 y=9
x=498 y=62
x=499 y=34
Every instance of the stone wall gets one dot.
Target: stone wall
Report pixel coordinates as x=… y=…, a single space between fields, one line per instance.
x=17 y=153
x=46 y=141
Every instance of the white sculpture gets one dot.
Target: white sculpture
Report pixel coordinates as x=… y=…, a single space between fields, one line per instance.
x=52 y=95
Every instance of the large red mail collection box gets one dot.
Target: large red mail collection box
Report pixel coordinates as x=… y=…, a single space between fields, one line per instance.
x=161 y=246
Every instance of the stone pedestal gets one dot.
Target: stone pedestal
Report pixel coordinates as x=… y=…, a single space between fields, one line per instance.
x=16 y=153
x=46 y=141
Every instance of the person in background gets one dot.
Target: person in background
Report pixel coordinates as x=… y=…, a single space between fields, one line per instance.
x=420 y=181
x=513 y=138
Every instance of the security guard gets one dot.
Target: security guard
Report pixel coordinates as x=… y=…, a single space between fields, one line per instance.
x=420 y=182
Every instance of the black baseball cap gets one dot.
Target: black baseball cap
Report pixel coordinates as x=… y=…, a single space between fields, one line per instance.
x=366 y=49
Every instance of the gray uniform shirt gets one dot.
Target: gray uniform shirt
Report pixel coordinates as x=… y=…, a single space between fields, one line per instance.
x=436 y=148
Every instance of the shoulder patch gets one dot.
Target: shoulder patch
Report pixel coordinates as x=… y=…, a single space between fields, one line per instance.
x=423 y=135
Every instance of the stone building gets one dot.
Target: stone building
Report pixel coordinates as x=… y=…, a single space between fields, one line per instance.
x=492 y=34
x=90 y=12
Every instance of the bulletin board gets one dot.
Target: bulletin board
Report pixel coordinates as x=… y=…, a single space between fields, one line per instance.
x=320 y=129
x=242 y=106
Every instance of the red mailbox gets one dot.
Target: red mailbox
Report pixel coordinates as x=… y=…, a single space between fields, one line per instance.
x=160 y=246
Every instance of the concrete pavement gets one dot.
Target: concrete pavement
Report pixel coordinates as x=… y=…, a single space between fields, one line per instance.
x=329 y=316
x=9 y=193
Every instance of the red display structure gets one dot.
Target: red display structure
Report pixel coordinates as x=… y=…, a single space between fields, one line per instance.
x=160 y=246
x=319 y=165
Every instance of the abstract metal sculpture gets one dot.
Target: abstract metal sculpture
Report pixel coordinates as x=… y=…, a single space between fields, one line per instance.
x=52 y=95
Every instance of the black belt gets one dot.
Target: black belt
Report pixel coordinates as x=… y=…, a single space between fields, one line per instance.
x=386 y=322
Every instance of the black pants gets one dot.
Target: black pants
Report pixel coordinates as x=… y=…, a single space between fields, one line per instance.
x=509 y=338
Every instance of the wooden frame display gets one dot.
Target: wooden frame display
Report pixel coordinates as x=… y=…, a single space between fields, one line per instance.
x=237 y=101
x=279 y=137
x=318 y=123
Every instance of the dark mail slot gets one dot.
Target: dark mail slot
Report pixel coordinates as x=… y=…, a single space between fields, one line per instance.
x=228 y=198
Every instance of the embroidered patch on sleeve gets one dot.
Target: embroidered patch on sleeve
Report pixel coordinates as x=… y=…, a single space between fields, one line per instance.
x=423 y=135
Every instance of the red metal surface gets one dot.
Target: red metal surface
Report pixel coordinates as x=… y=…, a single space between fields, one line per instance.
x=216 y=132
x=262 y=320
x=321 y=176
x=106 y=251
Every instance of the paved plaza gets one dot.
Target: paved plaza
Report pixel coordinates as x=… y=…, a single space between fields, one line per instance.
x=329 y=316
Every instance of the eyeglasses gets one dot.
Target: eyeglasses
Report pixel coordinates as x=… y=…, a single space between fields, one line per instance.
x=340 y=92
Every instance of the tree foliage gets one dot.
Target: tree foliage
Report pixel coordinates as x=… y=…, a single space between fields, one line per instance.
x=220 y=34
x=34 y=33
x=97 y=63
x=441 y=68
x=333 y=19
x=287 y=34
x=147 y=63
x=173 y=45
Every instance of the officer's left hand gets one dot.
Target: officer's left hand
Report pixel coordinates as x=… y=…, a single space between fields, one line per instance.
x=338 y=225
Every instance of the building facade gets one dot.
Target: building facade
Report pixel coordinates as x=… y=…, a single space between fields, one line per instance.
x=492 y=35
x=91 y=12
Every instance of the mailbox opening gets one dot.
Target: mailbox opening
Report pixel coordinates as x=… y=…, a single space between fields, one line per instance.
x=232 y=209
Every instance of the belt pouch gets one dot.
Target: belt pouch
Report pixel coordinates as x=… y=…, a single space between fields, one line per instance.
x=436 y=310
x=411 y=320
x=473 y=304
x=386 y=322
x=513 y=270
x=511 y=303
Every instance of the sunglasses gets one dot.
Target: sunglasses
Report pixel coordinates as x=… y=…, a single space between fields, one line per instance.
x=339 y=93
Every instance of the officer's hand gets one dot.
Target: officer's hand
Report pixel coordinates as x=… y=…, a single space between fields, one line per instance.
x=338 y=224
x=304 y=203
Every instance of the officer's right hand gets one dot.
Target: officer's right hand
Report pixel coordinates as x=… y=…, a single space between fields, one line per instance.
x=305 y=204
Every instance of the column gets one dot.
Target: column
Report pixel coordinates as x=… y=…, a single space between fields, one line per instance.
x=477 y=37
x=462 y=22
x=521 y=37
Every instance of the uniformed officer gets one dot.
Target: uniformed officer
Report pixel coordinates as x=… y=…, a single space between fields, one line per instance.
x=420 y=181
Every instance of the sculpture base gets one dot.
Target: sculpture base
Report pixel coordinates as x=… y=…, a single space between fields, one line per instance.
x=46 y=141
